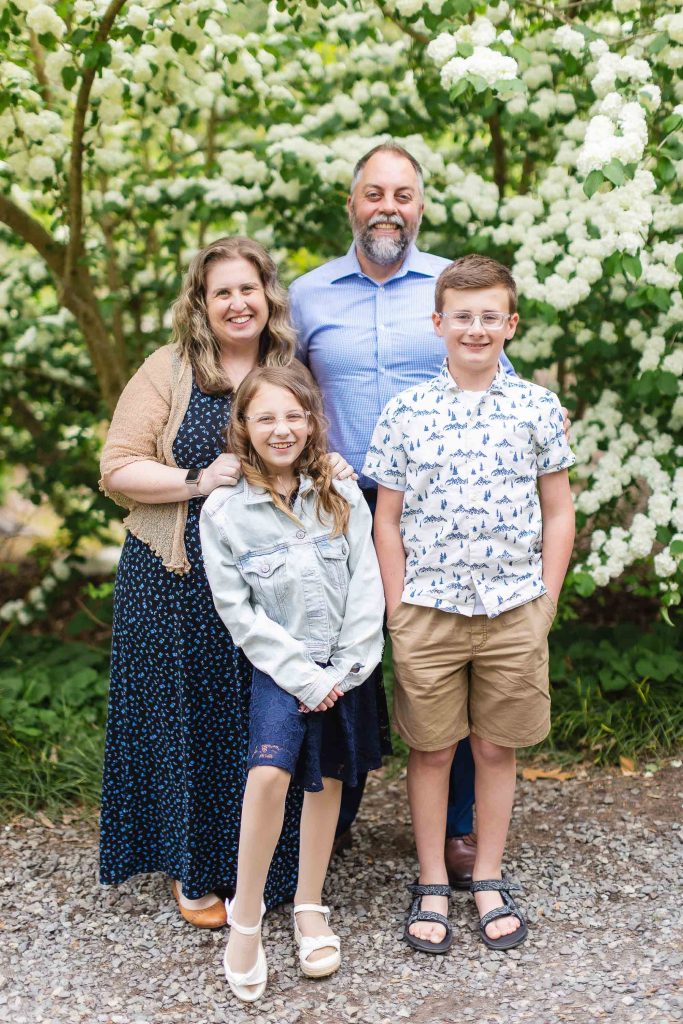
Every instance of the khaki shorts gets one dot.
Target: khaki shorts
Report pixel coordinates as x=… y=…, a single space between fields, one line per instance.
x=455 y=674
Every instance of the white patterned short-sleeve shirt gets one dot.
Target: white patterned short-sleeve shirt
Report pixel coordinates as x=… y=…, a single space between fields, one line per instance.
x=468 y=466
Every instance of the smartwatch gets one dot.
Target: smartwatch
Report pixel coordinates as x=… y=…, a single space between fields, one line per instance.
x=193 y=476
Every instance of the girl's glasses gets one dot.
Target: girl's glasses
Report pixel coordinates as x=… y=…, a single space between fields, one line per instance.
x=464 y=320
x=268 y=421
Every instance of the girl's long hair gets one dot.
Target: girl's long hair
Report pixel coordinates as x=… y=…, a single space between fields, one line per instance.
x=313 y=461
x=190 y=321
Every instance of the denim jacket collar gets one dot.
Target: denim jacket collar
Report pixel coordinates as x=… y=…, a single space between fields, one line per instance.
x=257 y=495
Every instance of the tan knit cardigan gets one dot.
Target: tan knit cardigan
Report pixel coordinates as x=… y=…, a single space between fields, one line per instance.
x=144 y=426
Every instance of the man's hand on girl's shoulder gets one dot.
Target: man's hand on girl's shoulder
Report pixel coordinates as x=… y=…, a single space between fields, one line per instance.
x=341 y=469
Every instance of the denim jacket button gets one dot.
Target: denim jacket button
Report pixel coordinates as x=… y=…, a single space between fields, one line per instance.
x=265 y=567
x=300 y=534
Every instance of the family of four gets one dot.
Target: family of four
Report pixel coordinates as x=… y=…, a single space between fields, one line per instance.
x=246 y=702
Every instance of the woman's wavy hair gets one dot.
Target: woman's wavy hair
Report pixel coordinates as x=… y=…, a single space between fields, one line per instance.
x=313 y=461
x=192 y=333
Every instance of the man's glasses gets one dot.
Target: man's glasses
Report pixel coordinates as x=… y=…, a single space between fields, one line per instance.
x=267 y=421
x=464 y=320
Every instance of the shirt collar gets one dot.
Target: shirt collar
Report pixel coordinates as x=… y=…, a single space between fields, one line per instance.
x=416 y=262
x=448 y=383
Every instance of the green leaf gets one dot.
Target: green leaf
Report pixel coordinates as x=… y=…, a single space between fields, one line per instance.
x=458 y=89
x=665 y=169
x=660 y=297
x=521 y=55
x=478 y=83
x=671 y=123
x=584 y=584
x=69 y=77
x=658 y=43
x=614 y=172
x=593 y=183
x=510 y=85
x=677 y=547
x=667 y=382
x=631 y=266
x=465 y=49
x=679 y=263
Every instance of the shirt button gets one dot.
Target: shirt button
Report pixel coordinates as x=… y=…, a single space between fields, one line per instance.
x=265 y=567
x=300 y=534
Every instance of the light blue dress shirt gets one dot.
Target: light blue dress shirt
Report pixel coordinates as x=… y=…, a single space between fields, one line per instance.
x=365 y=341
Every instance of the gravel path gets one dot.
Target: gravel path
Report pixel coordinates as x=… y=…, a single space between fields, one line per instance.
x=599 y=858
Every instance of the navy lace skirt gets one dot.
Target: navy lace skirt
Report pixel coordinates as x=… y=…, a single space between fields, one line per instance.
x=342 y=743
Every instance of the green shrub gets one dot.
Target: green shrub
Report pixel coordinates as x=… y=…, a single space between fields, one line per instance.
x=52 y=715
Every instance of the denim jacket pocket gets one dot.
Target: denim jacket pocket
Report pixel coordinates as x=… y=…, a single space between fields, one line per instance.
x=266 y=574
x=335 y=551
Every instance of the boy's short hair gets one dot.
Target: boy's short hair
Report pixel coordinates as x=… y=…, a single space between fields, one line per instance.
x=475 y=271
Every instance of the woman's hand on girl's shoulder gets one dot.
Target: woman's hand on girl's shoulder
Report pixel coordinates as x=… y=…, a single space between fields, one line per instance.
x=341 y=469
x=225 y=471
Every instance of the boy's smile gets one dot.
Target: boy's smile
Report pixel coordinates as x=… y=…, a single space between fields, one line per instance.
x=474 y=349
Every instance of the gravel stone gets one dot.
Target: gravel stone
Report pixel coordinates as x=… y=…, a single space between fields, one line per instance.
x=598 y=858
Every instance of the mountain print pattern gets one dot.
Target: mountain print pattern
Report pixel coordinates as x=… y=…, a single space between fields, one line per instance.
x=468 y=466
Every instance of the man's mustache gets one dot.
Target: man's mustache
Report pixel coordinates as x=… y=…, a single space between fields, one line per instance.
x=382 y=218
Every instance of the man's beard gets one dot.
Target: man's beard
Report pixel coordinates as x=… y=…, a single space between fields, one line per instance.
x=381 y=249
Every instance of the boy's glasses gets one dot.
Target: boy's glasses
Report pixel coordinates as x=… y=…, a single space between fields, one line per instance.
x=267 y=421
x=464 y=320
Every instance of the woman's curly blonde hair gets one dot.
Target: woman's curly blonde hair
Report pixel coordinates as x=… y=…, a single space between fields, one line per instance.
x=191 y=330
x=313 y=461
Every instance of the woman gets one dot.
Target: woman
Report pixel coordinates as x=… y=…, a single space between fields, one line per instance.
x=176 y=748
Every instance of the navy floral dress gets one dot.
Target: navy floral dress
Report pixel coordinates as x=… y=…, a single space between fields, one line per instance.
x=178 y=728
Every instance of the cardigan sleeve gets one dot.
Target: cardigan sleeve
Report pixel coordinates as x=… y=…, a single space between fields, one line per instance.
x=139 y=419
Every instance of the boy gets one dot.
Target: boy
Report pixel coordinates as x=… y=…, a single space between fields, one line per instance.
x=474 y=529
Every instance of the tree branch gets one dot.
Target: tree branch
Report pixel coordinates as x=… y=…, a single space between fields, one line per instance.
x=37 y=51
x=74 y=247
x=499 y=158
x=33 y=233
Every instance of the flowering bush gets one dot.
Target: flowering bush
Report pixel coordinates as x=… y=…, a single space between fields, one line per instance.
x=133 y=133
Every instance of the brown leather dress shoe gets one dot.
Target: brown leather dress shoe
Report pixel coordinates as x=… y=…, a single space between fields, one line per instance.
x=214 y=916
x=460 y=852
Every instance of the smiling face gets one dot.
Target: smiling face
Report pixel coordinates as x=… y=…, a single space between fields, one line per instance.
x=236 y=303
x=474 y=351
x=385 y=209
x=278 y=428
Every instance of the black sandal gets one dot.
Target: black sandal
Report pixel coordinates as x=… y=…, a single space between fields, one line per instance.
x=509 y=909
x=417 y=914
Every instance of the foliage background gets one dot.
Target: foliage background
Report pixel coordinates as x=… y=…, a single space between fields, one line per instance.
x=549 y=132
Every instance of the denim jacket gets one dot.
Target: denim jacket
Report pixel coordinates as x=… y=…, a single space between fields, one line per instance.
x=292 y=595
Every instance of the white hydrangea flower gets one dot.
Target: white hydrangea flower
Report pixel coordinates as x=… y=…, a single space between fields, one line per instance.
x=138 y=17
x=665 y=564
x=40 y=168
x=442 y=48
x=406 y=8
x=45 y=21
x=567 y=38
x=485 y=63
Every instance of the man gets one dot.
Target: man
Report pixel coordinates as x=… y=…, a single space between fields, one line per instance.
x=365 y=331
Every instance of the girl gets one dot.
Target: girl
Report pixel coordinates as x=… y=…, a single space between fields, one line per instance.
x=294 y=576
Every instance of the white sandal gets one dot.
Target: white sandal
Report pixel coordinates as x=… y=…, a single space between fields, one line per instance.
x=308 y=944
x=251 y=985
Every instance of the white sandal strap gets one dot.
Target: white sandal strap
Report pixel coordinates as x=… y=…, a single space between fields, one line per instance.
x=242 y=928
x=314 y=908
x=310 y=943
